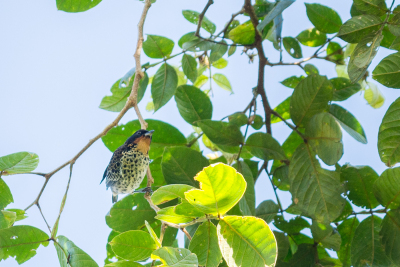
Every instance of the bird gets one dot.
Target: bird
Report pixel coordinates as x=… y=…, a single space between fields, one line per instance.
x=128 y=165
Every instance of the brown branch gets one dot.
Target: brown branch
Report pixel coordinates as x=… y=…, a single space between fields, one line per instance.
x=191 y=143
x=289 y=125
x=201 y=16
x=230 y=21
x=48 y=226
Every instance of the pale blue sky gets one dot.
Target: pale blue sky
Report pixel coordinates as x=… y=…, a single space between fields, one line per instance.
x=55 y=68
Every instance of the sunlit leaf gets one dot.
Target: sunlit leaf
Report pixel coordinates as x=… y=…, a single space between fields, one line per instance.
x=243 y=34
x=20 y=162
x=5 y=195
x=76 y=5
x=311 y=37
x=71 y=255
x=325 y=19
x=157 y=46
x=170 y=192
x=133 y=245
x=282 y=109
x=222 y=81
x=292 y=46
x=179 y=257
x=193 y=17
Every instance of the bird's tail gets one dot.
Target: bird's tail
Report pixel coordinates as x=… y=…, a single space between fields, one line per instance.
x=114 y=198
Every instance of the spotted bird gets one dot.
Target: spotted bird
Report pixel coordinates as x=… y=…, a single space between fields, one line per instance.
x=128 y=165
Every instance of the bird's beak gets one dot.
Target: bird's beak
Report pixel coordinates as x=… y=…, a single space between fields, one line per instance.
x=149 y=133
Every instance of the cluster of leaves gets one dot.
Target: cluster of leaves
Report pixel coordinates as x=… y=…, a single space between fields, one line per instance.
x=213 y=196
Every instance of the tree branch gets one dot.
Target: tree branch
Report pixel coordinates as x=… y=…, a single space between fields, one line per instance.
x=230 y=21
x=201 y=16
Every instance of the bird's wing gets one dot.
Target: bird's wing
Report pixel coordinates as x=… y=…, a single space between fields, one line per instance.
x=104 y=175
x=112 y=167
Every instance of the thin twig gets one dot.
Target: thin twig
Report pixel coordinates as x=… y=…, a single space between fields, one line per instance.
x=289 y=125
x=38 y=173
x=162 y=232
x=245 y=135
x=274 y=188
x=48 y=226
x=230 y=21
x=201 y=16
x=194 y=140
x=186 y=233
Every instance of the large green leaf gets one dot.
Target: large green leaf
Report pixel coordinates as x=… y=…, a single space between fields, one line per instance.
x=71 y=255
x=222 y=82
x=325 y=19
x=387 y=188
x=175 y=257
x=394 y=25
x=363 y=55
x=7 y=218
x=373 y=7
x=293 y=226
x=221 y=187
x=356 y=28
x=76 y=5
x=120 y=94
x=20 y=162
x=193 y=17
x=217 y=51
x=359 y=182
x=267 y=210
x=390 y=235
x=157 y=46
x=292 y=47
x=133 y=245
x=264 y=146
x=325 y=202
x=189 y=66
x=282 y=109
x=311 y=96
x=21 y=242
x=325 y=136
x=311 y=37
x=366 y=248
x=5 y=195
x=193 y=104
x=388 y=71
x=246 y=241
x=389 y=135
x=180 y=164
x=164 y=85
x=205 y=245
x=243 y=34
x=343 y=88
x=225 y=135
x=346 y=230
x=169 y=192
x=130 y=214
x=165 y=135
x=247 y=203
x=324 y=234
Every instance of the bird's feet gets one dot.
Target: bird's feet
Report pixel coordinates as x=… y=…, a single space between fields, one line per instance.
x=144 y=190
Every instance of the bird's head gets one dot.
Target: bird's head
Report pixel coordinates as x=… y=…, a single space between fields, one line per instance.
x=140 y=140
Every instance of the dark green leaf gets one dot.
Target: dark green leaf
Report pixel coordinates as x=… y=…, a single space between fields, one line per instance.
x=193 y=104
x=387 y=188
x=157 y=46
x=217 y=51
x=373 y=7
x=282 y=109
x=247 y=203
x=264 y=146
x=349 y=123
x=292 y=81
x=389 y=235
x=181 y=164
x=232 y=50
x=165 y=135
x=310 y=69
x=20 y=162
x=164 y=85
x=238 y=119
x=292 y=46
x=243 y=34
x=189 y=66
x=156 y=172
x=133 y=245
x=394 y=24
x=179 y=257
x=197 y=45
x=325 y=19
x=334 y=52
x=76 y=5
x=267 y=210
x=388 y=38
x=311 y=96
x=257 y=122
x=71 y=255
x=346 y=212
x=186 y=38
x=222 y=82
x=346 y=230
x=193 y=17
x=5 y=195
x=293 y=226
x=324 y=234
x=388 y=71
x=356 y=28
x=343 y=88
x=304 y=256
x=311 y=37
x=283 y=245
x=281 y=178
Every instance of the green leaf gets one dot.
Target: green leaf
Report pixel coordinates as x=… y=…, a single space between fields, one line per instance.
x=388 y=136
x=387 y=188
x=372 y=7
x=76 y=5
x=325 y=136
x=282 y=109
x=325 y=203
x=165 y=135
x=123 y=264
x=164 y=85
x=7 y=218
x=374 y=96
x=394 y=25
x=117 y=100
x=366 y=248
x=197 y=45
x=217 y=51
x=292 y=81
x=222 y=82
x=294 y=225
x=311 y=37
x=153 y=235
x=205 y=245
x=310 y=69
x=388 y=71
x=281 y=177
x=247 y=203
x=238 y=119
x=21 y=242
x=275 y=12
x=311 y=96
x=201 y=80
x=356 y=28
x=246 y=241
x=179 y=257
x=243 y=34
x=220 y=63
x=180 y=164
x=283 y=245
x=264 y=146
x=349 y=123
x=225 y=135
x=169 y=192
x=304 y=256
x=156 y=172
x=334 y=52
x=133 y=245
x=343 y=88
x=346 y=230
x=157 y=46
x=186 y=38
x=130 y=214
x=221 y=187
x=363 y=55
x=325 y=19
x=193 y=104
x=193 y=17
x=267 y=210
x=189 y=66
x=324 y=234
x=389 y=235
x=20 y=162
x=5 y=195
x=71 y=255
x=292 y=46
x=232 y=50
x=257 y=122
x=183 y=213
